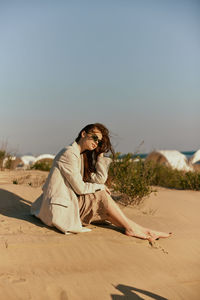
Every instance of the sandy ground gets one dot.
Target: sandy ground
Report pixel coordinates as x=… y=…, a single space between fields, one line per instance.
x=37 y=262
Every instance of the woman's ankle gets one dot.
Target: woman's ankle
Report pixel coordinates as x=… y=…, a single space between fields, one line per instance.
x=129 y=231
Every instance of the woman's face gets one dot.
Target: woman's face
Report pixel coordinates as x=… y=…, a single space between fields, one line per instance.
x=92 y=139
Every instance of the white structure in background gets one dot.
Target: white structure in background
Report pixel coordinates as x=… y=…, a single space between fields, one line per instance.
x=177 y=160
x=196 y=157
x=173 y=158
x=26 y=161
x=44 y=156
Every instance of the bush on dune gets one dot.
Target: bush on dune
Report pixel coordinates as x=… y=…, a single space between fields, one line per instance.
x=131 y=178
x=5 y=157
x=134 y=178
x=2 y=156
x=167 y=177
x=42 y=165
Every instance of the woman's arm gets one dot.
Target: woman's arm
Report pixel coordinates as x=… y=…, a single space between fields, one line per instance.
x=68 y=164
x=102 y=166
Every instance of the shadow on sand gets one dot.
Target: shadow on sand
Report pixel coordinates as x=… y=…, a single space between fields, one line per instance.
x=13 y=206
x=129 y=294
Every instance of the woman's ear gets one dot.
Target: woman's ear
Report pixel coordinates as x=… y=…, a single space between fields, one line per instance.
x=83 y=134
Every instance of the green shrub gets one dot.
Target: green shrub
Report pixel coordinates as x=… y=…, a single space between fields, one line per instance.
x=132 y=178
x=5 y=157
x=8 y=164
x=167 y=177
x=43 y=166
x=2 y=156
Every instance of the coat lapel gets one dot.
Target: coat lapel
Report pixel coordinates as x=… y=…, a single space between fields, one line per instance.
x=81 y=161
x=82 y=165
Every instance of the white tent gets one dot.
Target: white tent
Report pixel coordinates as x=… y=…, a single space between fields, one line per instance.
x=196 y=157
x=44 y=156
x=28 y=160
x=172 y=158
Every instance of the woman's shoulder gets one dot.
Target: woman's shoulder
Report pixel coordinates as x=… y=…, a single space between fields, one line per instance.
x=72 y=149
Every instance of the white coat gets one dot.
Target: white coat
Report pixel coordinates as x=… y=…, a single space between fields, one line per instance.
x=58 y=204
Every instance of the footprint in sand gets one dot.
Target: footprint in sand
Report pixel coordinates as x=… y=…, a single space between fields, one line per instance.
x=11 y=278
x=154 y=244
x=20 y=280
x=63 y=295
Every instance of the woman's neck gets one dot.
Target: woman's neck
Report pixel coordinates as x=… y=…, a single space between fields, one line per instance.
x=80 y=146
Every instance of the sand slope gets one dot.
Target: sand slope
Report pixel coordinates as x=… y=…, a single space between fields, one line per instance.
x=37 y=262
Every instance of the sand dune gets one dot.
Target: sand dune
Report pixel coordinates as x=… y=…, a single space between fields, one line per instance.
x=38 y=262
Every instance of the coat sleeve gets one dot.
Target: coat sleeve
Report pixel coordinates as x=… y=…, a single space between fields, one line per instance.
x=68 y=164
x=101 y=174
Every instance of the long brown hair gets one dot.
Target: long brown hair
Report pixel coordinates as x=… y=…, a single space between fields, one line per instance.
x=90 y=157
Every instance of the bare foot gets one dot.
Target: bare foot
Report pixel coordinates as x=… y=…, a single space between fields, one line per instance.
x=157 y=234
x=138 y=231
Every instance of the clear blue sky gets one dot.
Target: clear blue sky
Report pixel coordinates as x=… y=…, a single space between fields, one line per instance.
x=133 y=65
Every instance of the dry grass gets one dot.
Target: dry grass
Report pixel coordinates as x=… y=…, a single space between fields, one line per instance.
x=33 y=178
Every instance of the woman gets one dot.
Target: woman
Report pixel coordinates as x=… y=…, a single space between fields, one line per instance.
x=75 y=193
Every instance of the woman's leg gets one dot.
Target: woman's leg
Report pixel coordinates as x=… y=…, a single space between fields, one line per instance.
x=117 y=217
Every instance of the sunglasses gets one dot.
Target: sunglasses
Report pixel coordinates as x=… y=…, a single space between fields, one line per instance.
x=96 y=139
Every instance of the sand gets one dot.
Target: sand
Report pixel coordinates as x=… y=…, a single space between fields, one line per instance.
x=37 y=262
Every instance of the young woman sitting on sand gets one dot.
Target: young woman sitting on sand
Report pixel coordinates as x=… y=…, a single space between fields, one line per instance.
x=75 y=194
